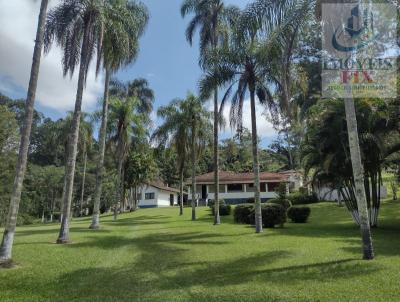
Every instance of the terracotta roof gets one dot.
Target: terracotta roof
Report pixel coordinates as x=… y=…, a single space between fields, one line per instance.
x=232 y=177
x=160 y=185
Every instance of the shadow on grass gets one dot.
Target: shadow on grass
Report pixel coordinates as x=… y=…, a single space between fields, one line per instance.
x=151 y=275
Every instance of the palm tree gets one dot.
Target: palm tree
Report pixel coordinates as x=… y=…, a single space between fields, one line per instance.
x=76 y=26
x=174 y=132
x=8 y=236
x=120 y=47
x=248 y=62
x=126 y=124
x=187 y=127
x=211 y=17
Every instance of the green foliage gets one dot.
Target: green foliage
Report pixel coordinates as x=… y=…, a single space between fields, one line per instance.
x=224 y=209
x=242 y=212
x=286 y=203
x=298 y=198
x=281 y=191
x=272 y=215
x=25 y=219
x=299 y=214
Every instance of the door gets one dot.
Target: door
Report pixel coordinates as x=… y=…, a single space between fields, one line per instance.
x=203 y=192
x=171 y=199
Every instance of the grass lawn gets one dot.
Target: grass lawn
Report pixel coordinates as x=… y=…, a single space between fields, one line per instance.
x=155 y=255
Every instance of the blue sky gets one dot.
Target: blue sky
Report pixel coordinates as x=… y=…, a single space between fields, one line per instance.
x=166 y=60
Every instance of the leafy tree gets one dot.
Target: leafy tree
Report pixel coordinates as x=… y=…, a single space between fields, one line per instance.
x=326 y=149
x=140 y=168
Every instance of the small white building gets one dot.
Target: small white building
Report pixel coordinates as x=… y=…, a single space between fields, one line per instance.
x=157 y=195
x=237 y=188
x=295 y=178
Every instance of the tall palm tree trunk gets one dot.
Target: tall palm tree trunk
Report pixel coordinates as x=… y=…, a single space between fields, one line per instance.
x=72 y=146
x=83 y=182
x=11 y=222
x=368 y=252
x=120 y=182
x=181 y=192
x=100 y=164
x=193 y=173
x=217 y=218
x=256 y=166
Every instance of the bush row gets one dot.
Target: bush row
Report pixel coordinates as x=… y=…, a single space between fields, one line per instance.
x=272 y=214
x=298 y=198
x=224 y=209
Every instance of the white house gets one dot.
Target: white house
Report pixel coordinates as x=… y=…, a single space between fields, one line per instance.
x=157 y=195
x=295 y=178
x=237 y=188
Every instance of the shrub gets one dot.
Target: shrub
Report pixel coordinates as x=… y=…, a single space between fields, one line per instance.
x=250 y=200
x=25 y=219
x=211 y=203
x=273 y=214
x=299 y=198
x=286 y=203
x=242 y=213
x=281 y=191
x=299 y=214
x=224 y=210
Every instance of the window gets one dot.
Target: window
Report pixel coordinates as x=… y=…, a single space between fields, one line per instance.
x=149 y=196
x=235 y=188
x=250 y=188
x=263 y=187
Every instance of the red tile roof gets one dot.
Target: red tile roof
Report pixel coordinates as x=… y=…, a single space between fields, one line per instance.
x=160 y=185
x=232 y=177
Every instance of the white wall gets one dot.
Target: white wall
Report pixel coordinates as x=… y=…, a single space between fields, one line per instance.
x=327 y=193
x=161 y=198
x=242 y=195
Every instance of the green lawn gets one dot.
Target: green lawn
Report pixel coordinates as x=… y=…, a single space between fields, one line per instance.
x=155 y=255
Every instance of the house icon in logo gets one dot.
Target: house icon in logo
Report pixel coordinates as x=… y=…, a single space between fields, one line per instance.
x=357 y=33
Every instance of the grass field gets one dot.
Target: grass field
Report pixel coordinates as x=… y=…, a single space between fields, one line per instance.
x=155 y=255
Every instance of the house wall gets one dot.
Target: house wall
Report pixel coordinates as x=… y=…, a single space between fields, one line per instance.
x=235 y=197
x=161 y=198
x=326 y=193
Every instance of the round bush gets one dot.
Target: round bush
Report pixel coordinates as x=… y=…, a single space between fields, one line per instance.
x=298 y=198
x=286 y=203
x=299 y=214
x=250 y=200
x=273 y=214
x=242 y=213
x=224 y=210
x=211 y=203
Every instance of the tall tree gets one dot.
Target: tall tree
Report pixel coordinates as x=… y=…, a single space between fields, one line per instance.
x=126 y=124
x=8 y=236
x=247 y=62
x=76 y=26
x=212 y=19
x=120 y=47
x=186 y=127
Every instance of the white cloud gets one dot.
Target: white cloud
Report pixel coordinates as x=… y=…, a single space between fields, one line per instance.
x=18 y=22
x=265 y=130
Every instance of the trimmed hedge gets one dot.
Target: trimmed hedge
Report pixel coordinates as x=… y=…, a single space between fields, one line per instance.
x=242 y=212
x=224 y=210
x=299 y=214
x=272 y=214
x=286 y=203
x=298 y=198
